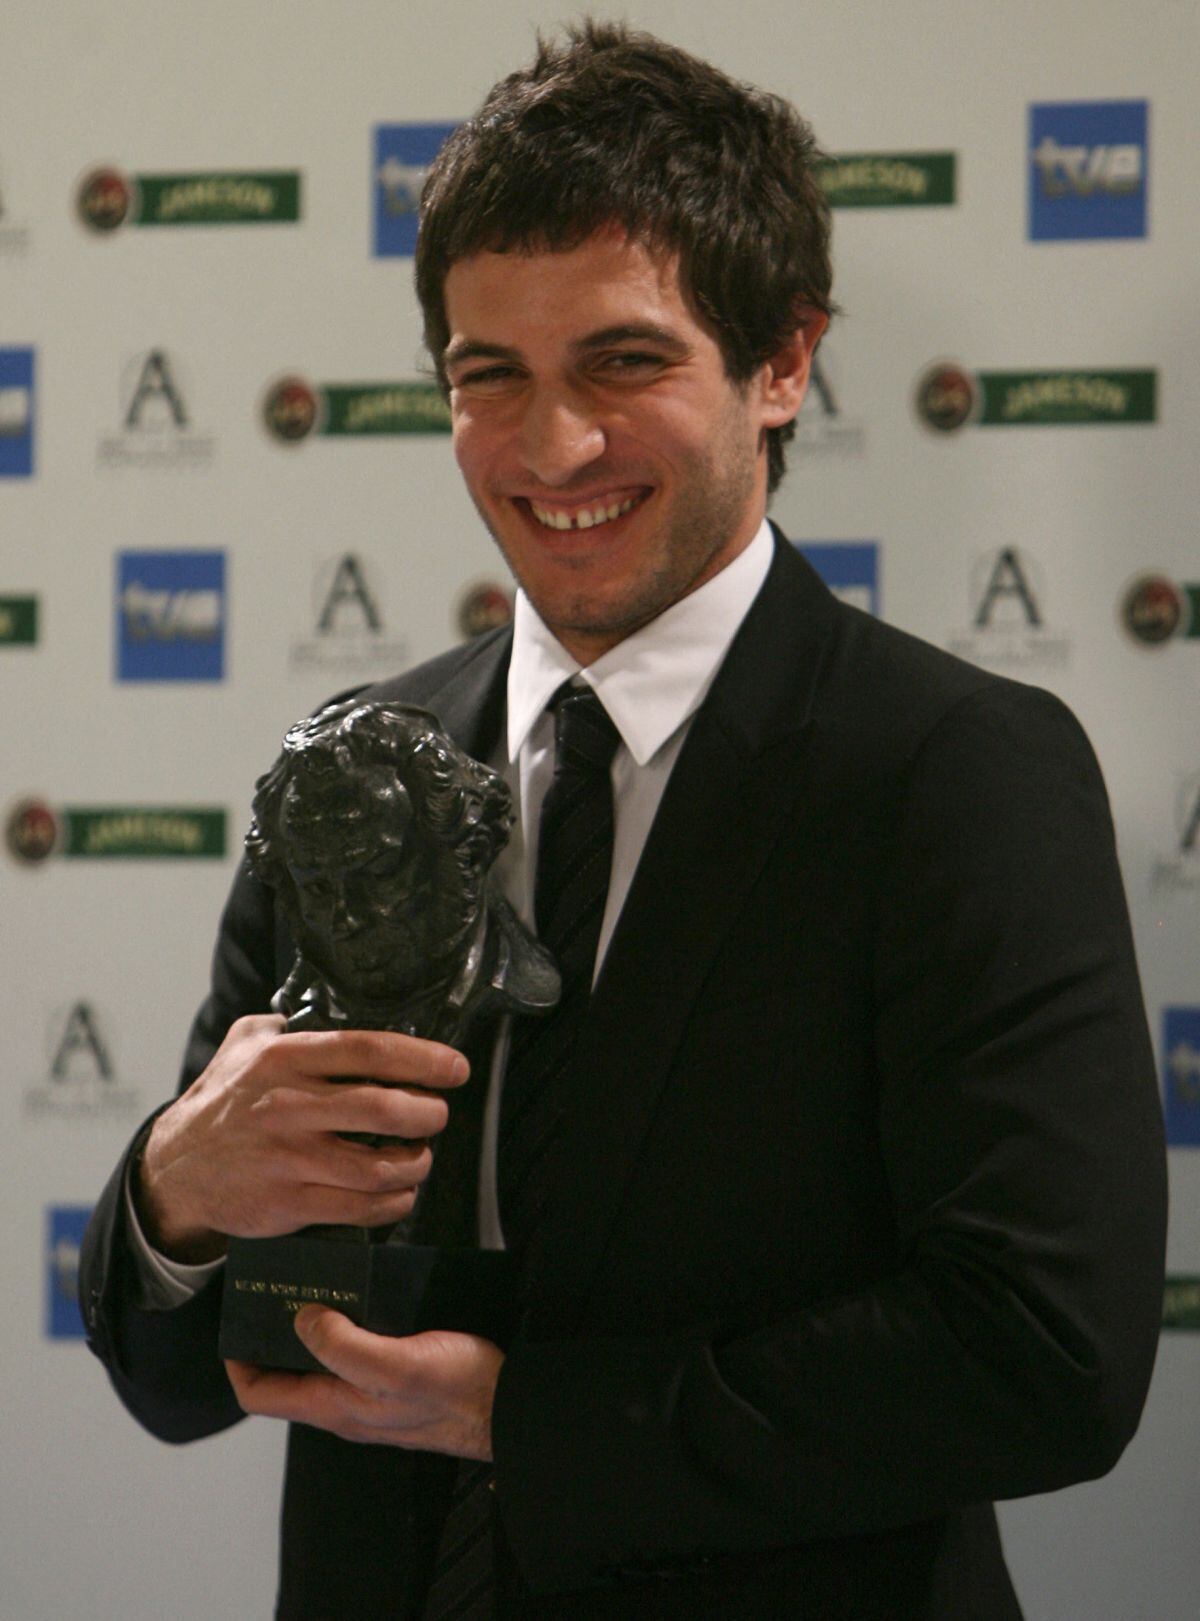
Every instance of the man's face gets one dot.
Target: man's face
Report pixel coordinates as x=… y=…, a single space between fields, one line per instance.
x=614 y=462
x=364 y=873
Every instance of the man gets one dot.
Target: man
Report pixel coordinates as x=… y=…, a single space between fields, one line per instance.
x=851 y=1218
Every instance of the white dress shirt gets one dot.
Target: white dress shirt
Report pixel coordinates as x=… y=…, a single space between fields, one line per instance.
x=651 y=685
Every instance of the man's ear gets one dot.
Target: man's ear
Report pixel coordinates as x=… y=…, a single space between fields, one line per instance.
x=784 y=377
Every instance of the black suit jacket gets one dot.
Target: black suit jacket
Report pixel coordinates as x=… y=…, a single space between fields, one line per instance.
x=859 y=1211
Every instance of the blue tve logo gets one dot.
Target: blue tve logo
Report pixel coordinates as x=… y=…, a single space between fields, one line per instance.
x=850 y=568
x=1088 y=163
x=403 y=153
x=65 y=1226
x=16 y=413
x=171 y=616
x=1181 y=1075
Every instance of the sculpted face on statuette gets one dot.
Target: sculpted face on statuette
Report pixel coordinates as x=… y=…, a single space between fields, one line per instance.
x=378 y=834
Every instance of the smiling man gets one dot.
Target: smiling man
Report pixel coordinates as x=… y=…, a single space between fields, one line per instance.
x=810 y=1177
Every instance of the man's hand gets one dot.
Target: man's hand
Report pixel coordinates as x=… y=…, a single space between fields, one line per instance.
x=432 y=1392
x=253 y=1148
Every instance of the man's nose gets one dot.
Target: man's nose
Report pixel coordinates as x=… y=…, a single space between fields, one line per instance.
x=560 y=436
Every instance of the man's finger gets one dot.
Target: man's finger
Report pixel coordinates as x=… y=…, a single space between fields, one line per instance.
x=389 y=1111
x=384 y=1055
x=374 y=1363
x=301 y=1398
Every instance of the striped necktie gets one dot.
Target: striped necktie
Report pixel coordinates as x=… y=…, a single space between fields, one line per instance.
x=575 y=838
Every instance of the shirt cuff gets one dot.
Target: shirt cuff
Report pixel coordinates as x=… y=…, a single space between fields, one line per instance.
x=162 y=1283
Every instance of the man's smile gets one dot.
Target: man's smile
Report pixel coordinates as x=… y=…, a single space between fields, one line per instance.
x=587 y=513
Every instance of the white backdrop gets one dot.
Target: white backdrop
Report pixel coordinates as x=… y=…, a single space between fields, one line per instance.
x=105 y=959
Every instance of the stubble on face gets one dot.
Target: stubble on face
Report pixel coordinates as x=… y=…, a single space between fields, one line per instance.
x=717 y=487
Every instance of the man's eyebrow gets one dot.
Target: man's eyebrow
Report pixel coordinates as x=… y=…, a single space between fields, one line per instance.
x=460 y=349
x=609 y=337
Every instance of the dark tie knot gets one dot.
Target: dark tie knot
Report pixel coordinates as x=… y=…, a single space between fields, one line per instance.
x=584 y=736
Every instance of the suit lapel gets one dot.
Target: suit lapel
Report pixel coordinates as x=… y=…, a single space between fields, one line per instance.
x=730 y=798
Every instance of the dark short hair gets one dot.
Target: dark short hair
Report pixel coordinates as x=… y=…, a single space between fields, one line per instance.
x=614 y=127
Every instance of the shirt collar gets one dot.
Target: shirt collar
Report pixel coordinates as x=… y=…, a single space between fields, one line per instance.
x=651 y=682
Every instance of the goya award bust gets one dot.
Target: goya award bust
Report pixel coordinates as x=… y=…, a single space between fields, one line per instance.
x=378 y=835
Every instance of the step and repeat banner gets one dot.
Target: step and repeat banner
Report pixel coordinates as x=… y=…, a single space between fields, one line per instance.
x=227 y=491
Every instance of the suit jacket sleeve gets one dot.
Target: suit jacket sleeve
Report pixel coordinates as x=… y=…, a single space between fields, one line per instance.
x=164 y=1364
x=1009 y=1350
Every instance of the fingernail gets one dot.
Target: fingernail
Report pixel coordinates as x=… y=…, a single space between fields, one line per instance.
x=304 y=1319
x=460 y=1069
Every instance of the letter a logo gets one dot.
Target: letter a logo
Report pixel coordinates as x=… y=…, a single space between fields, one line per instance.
x=81 y=1037
x=156 y=383
x=349 y=586
x=1007 y=582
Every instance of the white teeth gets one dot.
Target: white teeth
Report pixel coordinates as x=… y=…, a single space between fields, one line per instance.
x=585 y=518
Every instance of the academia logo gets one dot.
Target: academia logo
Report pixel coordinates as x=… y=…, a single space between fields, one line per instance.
x=18 y=621
x=1088 y=165
x=34 y=831
x=156 y=427
x=1007 y=628
x=850 y=568
x=483 y=606
x=1154 y=610
x=403 y=154
x=349 y=626
x=170 y=616
x=1178 y=866
x=823 y=427
x=1181 y=1075
x=65 y=1227
x=80 y=1079
x=293 y=409
x=107 y=198
x=948 y=397
x=16 y=412
x=889 y=179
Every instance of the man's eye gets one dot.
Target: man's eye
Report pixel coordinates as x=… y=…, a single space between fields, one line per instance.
x=487 y=380
x=628 y=363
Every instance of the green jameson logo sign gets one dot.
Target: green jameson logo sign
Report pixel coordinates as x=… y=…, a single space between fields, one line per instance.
x=125 y=833
x=948 y=397
x=889 y=179
x=294 y=408
x=18 y=621
x=1181 y=1303
x=1068 y=396
x=386 y=408
x=108 y=198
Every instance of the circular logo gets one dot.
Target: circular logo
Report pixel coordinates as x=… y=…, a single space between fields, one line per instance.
x=290 y=409
x=31 y=831
x=946 y=397
x=105 y=199
x=1152 y=609
x=483 y=607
